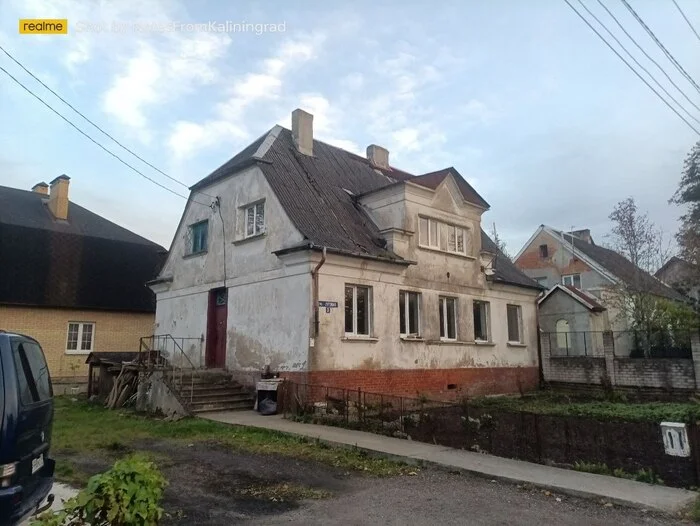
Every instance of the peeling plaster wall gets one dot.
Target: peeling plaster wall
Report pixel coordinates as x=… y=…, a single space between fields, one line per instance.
x=268 y=301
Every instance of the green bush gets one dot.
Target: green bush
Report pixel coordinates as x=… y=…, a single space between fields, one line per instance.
x=126 y=495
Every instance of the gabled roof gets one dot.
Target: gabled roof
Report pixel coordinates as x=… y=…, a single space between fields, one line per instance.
x=587 y=300
x=86 y=262
x=686 y=268
x=320 y=196
x=609 y=263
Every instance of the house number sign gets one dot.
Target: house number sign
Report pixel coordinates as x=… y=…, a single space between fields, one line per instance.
x=328 y=305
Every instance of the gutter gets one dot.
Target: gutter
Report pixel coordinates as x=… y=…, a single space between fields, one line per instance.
x=314 y=285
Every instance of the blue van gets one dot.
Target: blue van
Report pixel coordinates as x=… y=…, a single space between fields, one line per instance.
x=26 y=418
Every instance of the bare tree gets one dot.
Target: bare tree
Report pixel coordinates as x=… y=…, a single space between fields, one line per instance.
x=499 y=242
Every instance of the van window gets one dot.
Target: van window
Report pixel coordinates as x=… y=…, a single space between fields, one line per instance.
x=32 y=372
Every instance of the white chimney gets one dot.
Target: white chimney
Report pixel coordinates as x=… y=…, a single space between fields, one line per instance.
x=303 y=131
x=378 y=156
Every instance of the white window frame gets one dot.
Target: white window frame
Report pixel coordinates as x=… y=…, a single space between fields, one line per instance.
x=81 y=326
x=408 y=333
x=445 y=321
x=487 y=313
x=571 y=280
x=434 y=244
x=370 y=311
x=519 y=314
x=256 y=207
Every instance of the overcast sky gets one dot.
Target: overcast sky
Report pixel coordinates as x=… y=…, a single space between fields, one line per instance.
x=520 y=97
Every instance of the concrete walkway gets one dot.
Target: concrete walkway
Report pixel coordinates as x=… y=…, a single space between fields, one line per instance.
x=621 y=491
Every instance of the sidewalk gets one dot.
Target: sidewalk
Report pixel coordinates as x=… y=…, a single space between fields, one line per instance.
x=621 y=491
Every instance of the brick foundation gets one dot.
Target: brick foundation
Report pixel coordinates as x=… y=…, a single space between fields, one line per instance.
x=445 y=384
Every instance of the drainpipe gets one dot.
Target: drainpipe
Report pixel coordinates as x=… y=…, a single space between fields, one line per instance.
x=314 y=277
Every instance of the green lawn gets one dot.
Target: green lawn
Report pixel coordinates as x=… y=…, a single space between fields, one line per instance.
x=559 y=403
x=81 y=427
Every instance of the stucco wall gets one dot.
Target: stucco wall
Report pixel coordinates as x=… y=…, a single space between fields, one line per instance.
x=114 y=331
x=184 y=316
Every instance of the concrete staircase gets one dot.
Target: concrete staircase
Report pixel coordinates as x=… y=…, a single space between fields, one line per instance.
x=210 y=390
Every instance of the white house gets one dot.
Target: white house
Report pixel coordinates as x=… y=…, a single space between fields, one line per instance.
x=338 y=270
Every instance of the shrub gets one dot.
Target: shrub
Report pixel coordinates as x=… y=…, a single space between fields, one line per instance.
x=128 y=494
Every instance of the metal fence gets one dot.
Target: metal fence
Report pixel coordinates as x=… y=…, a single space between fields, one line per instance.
x=575 y=343
x=632 y=344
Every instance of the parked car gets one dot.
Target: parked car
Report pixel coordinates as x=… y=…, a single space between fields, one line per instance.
x=26 y=419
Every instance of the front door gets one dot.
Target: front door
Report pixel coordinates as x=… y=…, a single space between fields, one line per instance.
x=216 y=328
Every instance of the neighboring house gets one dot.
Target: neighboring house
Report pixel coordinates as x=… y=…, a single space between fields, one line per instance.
x=681 y=276
x=572 y=259
x=340 y=270
x=72 y=279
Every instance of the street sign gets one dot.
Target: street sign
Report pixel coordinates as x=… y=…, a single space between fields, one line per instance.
x=328 y=305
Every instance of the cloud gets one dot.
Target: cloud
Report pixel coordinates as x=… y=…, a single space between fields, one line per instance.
x=353 y=81
x=265 y=84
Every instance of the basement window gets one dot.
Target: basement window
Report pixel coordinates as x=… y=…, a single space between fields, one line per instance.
x=409 y=314
x=481 y=321
x=358 y=310
x=81 y=337
x=255 y=219
x=448 y=318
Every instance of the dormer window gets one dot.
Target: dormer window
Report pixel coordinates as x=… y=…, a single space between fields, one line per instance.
x=443 y=236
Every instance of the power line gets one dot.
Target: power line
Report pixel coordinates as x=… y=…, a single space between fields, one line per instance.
x=68 y=121
x=658 y=43
x=685 y=18
x=630 y=66
x=93 y=124
x=647 y=55
x=638 y=63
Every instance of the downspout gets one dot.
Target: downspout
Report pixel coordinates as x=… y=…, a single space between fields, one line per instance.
x=314 y=278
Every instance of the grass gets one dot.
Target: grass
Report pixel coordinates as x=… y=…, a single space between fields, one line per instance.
x=642 y=475
x=283 y=491
x=561 y=404
x=98 y=430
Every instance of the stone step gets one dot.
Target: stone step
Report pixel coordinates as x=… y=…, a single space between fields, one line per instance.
x=222 y=405
x=223 y=395
x=208 y=388
x=202 y=380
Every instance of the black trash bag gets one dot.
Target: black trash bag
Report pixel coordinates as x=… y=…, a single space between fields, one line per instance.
x=267 y=407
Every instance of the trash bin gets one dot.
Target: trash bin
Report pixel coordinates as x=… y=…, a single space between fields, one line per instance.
x=266 y=396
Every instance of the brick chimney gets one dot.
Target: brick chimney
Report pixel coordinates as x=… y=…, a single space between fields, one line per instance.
x=58 y=197
x=41 y=188
x=303 y=131
x=378 y=156
x=584 y=234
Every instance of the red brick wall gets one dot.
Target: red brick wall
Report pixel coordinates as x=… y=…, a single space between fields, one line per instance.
x=473 y=381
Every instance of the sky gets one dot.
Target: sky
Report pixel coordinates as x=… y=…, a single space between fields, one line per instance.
x=522 y=98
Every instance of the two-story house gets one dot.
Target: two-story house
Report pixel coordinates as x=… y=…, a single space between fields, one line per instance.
x=341 y=270
x=72 y=279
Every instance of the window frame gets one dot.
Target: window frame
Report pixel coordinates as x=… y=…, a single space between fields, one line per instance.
x=572 y=279
x=539 y=278
x=370 y=312
x=192 y=237
x=406 y=313
x=544 y=254
x=255 y=208
x=487 y=321
x=79 y=340
x=519 y=320
x=434 y=244
x=444 y=326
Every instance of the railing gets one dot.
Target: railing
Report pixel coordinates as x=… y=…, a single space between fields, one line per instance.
x=575 y=343
x=168 y=353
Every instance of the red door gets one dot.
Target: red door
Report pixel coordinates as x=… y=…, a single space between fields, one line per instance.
x=216 y=328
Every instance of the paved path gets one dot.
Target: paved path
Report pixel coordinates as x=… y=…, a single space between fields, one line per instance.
x=565 y=481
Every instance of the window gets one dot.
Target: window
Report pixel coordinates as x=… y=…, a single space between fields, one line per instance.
x=449 y=238
x=255 y=219
x=542 y=280
x=544 y=251
x=573 y=280
x=81 y=337
x=562 y=334
x=198 y=237
x=358 y=301
x=34 y=384
x=515 y=323
x=481 y=321
x=409 y=314
x=448 y=319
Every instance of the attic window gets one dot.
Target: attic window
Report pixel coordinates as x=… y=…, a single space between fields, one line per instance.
x=255 y=219
x=198 y=234
x=442 y=236
x=544 y=251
